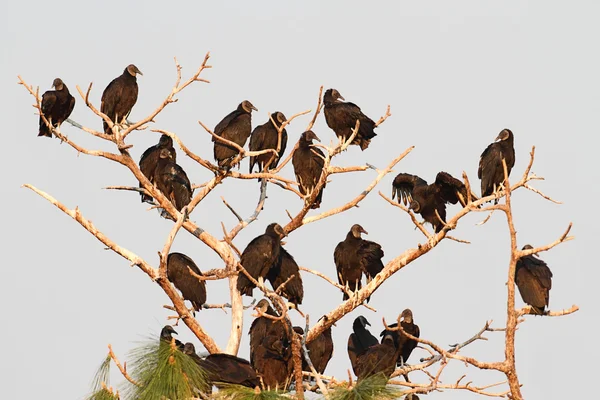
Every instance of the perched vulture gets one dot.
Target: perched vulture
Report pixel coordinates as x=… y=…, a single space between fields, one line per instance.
x=172 y=180
x=273 y=361
x=191 y=288
x=225 y=368
x=262 y=326
x=404 y=344
x=426 y=199
x=308 y=162
x=534 y=280
x=320 y=351
x=490 y=169
x=150 y=158
x=56 y=105
x=360 y=340
x=120 y=96
x=354 y=256
x=166 y=335
x=266 y=136
x=341 y=118
x=281 y=271
x=235 y=127
x=259 y=256
x=380 y=358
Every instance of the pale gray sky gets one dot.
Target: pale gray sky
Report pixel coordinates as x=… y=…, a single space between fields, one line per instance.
x=454 y=73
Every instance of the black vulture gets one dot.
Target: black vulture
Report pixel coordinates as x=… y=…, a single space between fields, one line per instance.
x=403 y=343
x=534 y=280
x=354 y=256
x=341 y=118
x=308 y=161
x=166 y=335
x=360 y=340
x=380 y=358
x=281 y=271
x=149 y=160
x=224 y=368
x=266 y=136
x=56 y=105
x=262 y=326
x=172 y=180
x=426 y=199
x=235 y=127
x=273 y=362
x=120 y=96
x=178 y=272
x=320 y=351
x=490 y=169
x=259 y=256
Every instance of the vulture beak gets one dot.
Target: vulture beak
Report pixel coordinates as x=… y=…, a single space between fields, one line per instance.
x=254 y=108
x=366 y=233
x=341 y=97
x=175 y=332
x=317 y=138
x=139 y=72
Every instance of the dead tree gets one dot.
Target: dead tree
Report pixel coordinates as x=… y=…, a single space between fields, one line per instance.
x=229 y=253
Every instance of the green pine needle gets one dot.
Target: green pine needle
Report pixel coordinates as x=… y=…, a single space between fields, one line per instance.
x=101 y=381
x=237 y=392
x=373 y=387
x=164 y=372
x=102 y=375
x=103 y=394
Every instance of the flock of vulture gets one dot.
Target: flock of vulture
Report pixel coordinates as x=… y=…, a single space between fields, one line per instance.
x=266 y=258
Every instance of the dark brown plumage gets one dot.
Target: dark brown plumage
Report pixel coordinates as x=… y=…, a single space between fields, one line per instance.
x=341 y=118
x=380 y=358
x=191 y=288
x=284 y=268
x=259 y=256
x=120 y=96
x=224 y=368
x=490 y=169
x=263 y=326
x=172 y=180
x=273 y=362
x=166 y=336
x=236 y=127
x=426 y=199
x=266 y=136
x=308 y=162
x=359 y=340
x=56 y=106
x=355 y=256
x=320 y=351
x=149 y=160
x=534 y=280
x=401 y=341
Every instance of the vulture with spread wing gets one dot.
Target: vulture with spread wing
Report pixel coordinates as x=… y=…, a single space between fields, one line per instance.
x=426 y=199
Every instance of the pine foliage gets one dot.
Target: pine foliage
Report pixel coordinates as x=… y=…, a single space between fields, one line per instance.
x=370 y=388
x=237 y=392
x=163 y=371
